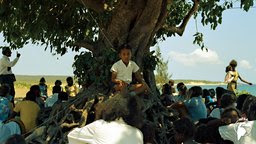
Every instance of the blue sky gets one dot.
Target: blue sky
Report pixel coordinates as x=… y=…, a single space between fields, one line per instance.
x=233 y=39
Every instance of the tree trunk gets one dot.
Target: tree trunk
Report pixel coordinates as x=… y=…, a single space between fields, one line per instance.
x=135 y=22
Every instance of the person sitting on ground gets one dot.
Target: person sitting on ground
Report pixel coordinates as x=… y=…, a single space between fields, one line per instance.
x=184 y=131
x=28 y=110
x=16 y=139
x=4 y=92
x=209 y=132
x=58 y=83
x=62 y=97
x=232 y=86
x=182 y=92
x=171 y=84
x=54 y=97
x=219 y=93
x=43 y=88
x=71 y=89
x=241 y=100
x=195 y=105
x=36 y=91
x=5 y=109
x=121 y=118
x=166 y=97
x=227 y=100
x=122 y=72
x=240 y=131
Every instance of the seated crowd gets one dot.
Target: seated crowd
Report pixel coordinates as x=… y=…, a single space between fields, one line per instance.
x=22 y=118
x=204 y=118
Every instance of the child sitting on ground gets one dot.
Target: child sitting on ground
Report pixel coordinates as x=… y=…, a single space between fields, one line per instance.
x=122 y=73
x=71 y=89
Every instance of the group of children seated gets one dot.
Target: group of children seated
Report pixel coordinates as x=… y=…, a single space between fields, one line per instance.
x=22 y=117
x=204 y=118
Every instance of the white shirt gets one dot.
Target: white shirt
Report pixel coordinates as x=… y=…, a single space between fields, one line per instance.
x=7 y=130
x=239 y=133
x=102 y=132
x=124 y=72
x=5 y=63
x=51 y=100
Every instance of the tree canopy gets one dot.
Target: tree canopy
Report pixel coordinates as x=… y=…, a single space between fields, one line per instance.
x=62 y=24
x=101 y=26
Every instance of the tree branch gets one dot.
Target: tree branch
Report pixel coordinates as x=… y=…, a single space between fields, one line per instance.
x=96 y=5
x=85 y=44
x=180 y=30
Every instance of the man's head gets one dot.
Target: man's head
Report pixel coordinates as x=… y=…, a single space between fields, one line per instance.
x=58 y=83
x=42 y=80
x=184 y=129
x=35 y=89
x=125 y=53
x=171 y=82
x=56 y=89
x=228 y=100
x=232 y=114
x=70 y=81
x=30 y=96
x=6 y=51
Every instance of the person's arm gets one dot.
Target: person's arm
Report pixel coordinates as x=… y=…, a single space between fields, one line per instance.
x=244 y=80
x=11 y=63
x=228 y=78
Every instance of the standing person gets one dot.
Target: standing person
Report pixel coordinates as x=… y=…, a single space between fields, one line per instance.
x=43 y=88
x=71 y=88
x=6 y=75
x=122 y=72
x=232 y=86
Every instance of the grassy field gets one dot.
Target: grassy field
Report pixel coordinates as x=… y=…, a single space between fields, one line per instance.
x=24 y=82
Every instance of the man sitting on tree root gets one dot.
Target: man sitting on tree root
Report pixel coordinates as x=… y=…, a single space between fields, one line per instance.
x=122 y=73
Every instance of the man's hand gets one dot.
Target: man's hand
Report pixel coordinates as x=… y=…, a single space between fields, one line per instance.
x=18 y=54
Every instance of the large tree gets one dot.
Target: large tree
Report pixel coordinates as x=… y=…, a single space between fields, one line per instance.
x=101 y=26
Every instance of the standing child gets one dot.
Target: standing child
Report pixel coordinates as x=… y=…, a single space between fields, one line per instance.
x=71 y=89
x=43 y=88
x=122 y=72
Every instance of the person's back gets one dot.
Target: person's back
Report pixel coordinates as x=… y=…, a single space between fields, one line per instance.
x=195 y=105
x=28 y=110
x=103 y=132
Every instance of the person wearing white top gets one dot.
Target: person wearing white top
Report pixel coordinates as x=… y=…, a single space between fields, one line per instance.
x=6 y=75
x=119 y=123
x=122 y=72
x=103 y=132
x=239 y=133
x=54 y=97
